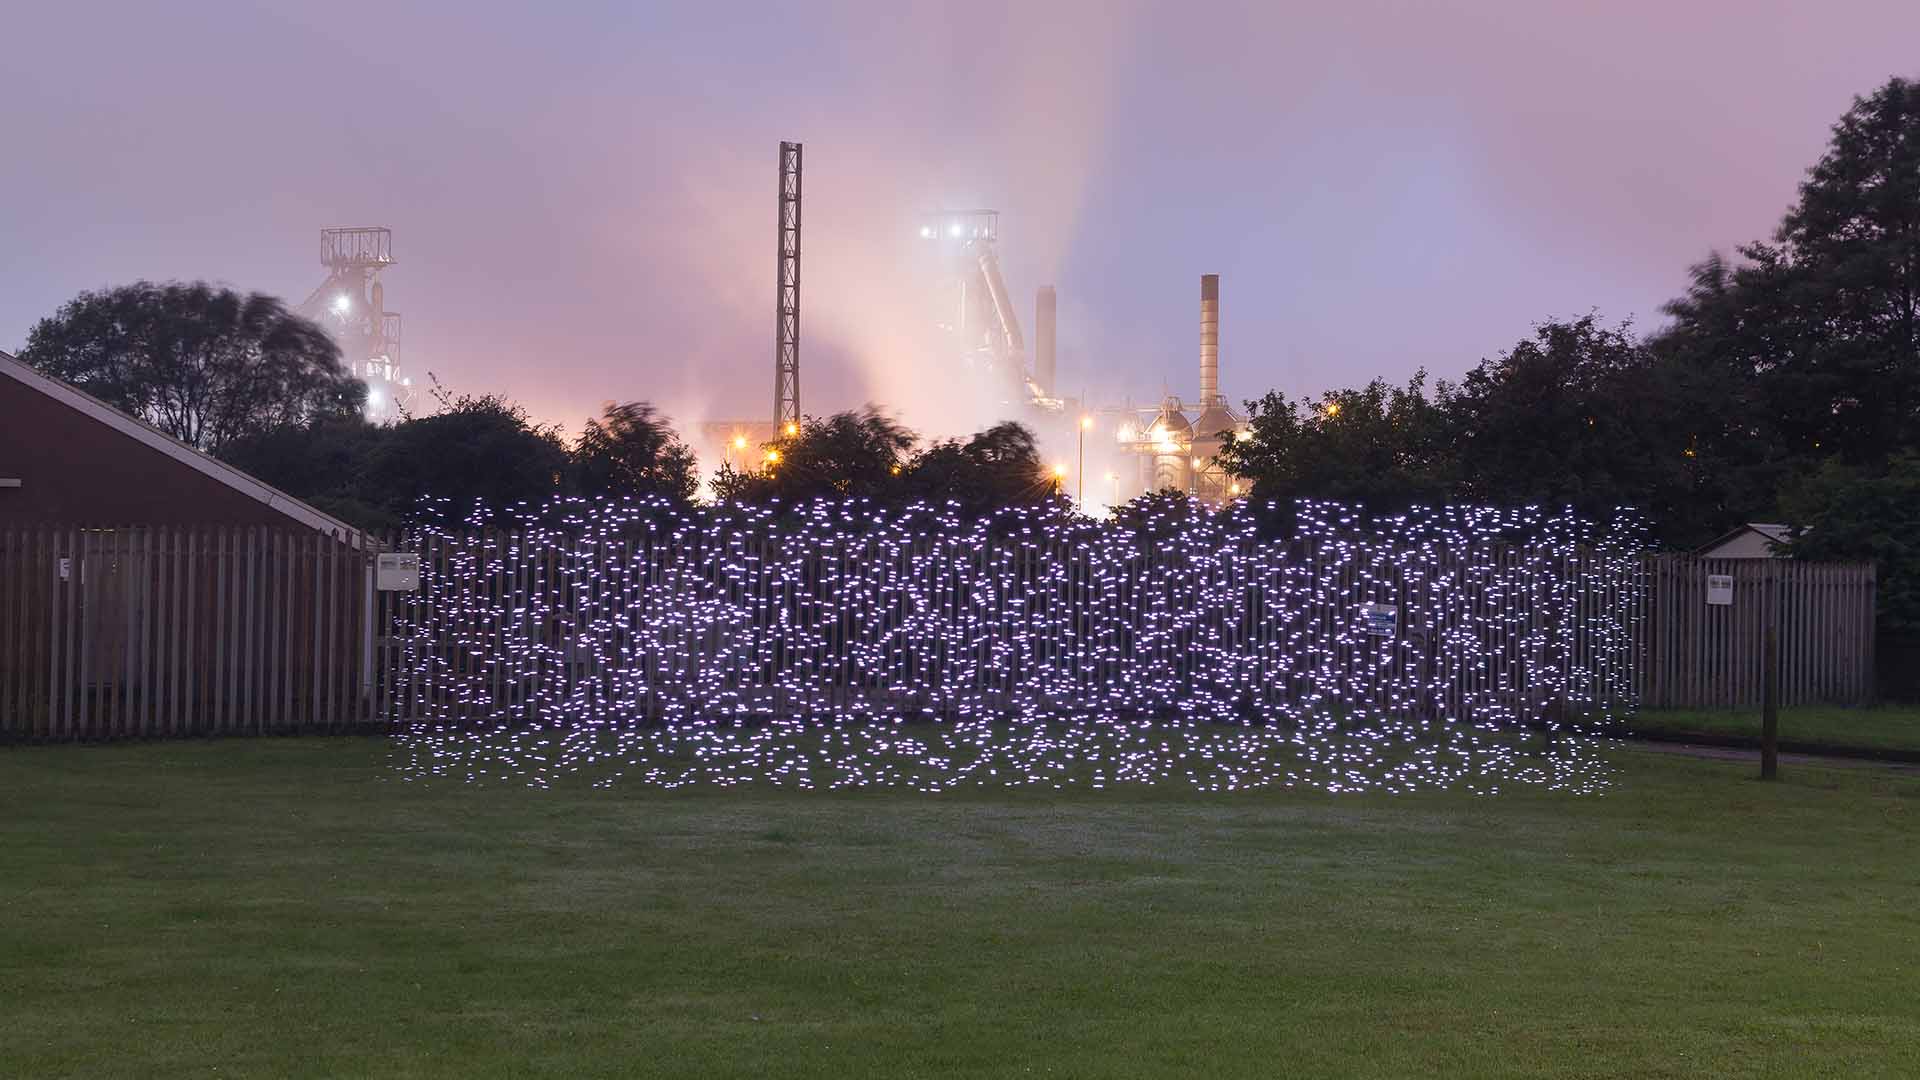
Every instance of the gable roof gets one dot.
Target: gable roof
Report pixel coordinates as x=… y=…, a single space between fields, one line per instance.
x=1772 y=532
x=93 y=408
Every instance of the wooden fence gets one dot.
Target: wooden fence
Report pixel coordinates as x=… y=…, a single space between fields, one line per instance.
x=1696 y=655
x=112 y=633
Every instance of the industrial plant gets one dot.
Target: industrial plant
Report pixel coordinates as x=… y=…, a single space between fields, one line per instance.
x=1121 y=450
x=352 y=304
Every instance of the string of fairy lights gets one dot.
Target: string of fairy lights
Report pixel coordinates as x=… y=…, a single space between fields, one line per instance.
x=843 y=645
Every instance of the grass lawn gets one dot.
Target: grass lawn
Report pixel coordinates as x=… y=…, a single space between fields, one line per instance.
x=1890 y=727
x=283 y=907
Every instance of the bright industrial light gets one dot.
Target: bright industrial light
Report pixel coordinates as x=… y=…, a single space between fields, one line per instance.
x=954 y=230
x=793 y=428
x=739 y=442
x=1086 y=423
x=342 y=304
x=1059 y=470
x=773 y=456
x=1333 y=408
x=926 y=232
x=407 y=381
x=373 y=397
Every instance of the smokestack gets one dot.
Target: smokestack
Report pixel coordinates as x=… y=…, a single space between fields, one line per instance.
x=1209 y=339
x=1043 y=341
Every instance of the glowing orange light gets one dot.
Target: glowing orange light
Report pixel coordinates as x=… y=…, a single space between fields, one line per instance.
x=773 y=455
x=1059 y=470
x=1086 y=423
x=793 y=428
x=739 y=442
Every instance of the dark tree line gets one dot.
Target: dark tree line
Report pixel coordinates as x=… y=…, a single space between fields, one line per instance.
x=1786 y=386
x=867 y=455
x=469 y=451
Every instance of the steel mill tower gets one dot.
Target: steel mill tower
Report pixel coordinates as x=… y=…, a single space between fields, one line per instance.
x=352 y=305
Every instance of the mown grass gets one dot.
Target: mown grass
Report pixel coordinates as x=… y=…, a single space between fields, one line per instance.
x=1888 y=727
x=287 y=907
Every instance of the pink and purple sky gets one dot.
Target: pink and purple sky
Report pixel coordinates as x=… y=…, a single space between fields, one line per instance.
x=581 y=193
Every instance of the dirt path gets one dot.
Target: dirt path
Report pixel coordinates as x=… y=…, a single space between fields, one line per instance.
x=1729 y=753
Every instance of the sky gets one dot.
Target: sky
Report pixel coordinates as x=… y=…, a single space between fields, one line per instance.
x=582 y=194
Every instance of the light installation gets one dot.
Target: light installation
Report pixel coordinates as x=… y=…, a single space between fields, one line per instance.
x=841 y=645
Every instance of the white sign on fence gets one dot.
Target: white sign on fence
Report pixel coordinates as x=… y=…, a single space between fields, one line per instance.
x=1379 y=620
x=397 y=572
x=1720 y=590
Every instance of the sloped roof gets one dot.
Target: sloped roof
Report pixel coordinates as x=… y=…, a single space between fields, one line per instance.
x=78 y=400
x=1772 y=532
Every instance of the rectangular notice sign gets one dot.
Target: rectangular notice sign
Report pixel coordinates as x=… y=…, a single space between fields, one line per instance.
x=1720 y=590
x=397 y=572
x=1380 y=620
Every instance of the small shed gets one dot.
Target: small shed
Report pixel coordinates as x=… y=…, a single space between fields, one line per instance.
x=1754 y=540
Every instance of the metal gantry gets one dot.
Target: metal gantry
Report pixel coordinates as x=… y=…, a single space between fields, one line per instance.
x=786 y=314
x=351 y=304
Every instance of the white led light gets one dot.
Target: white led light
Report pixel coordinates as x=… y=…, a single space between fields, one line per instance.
x=842 y=645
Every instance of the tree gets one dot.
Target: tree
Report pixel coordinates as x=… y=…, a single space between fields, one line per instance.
x=632 y=450
x=473 y=450
x=997 y=467
x=1386 y=447
x=205 y=365
x=328 y=463
x=1584 y=415
x=848 y=454
x=1821 y=328
x=1865 y=514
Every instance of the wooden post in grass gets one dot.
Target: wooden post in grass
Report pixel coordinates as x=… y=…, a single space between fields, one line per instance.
x=1770 y=686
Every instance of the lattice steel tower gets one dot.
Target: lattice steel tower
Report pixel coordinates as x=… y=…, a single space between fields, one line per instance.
x=786 y=311
x=352 y=305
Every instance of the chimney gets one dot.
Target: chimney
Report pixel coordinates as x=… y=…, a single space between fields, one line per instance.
x=1043 y=341
x=1209 y=339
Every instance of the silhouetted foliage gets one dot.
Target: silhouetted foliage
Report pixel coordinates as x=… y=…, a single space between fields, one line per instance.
x=1851 y=513
x=206 y=365
x=997 y=467
x=326 y=463
x=1386 y=447
x=846 y=455
x=1586 y=416
x=631 y=449
x=1819 y=331
x=473 y=450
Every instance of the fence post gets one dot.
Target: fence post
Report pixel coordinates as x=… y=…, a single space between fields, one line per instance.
x=1770 y=685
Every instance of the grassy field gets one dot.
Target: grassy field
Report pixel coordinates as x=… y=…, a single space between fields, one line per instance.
x=283 y=907
x=1891 y=727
